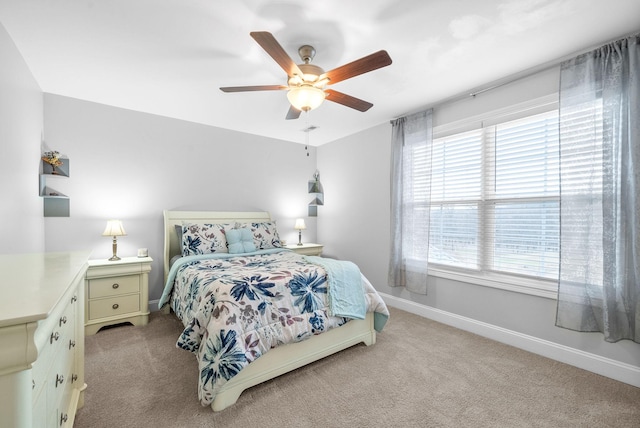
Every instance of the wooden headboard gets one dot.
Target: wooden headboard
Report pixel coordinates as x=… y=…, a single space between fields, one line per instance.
x=172 y=218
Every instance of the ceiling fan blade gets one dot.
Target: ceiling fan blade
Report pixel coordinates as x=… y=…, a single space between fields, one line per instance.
x=347 y=100
x=273 y=48
x=293 y=113
x=253 y=88
x=360 y=66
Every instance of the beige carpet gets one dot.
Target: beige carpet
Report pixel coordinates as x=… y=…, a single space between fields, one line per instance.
x=419 y=374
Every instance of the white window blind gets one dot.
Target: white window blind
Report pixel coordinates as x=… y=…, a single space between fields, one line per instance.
x=522 y=203
x=495 y=199
x=456 y=192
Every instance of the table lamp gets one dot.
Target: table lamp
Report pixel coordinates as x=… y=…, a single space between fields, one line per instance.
x=114 y=228
x=300 y=226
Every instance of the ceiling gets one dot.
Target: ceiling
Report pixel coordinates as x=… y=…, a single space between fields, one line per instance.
x=169 y=57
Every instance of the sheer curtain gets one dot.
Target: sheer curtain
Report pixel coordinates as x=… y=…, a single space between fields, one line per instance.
x=410 y=201
x=599 y=278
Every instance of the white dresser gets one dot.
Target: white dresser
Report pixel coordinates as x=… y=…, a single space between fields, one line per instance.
x=41 y=338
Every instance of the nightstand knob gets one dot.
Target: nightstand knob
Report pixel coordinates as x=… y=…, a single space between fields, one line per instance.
x=74 y=378
x=63 y=320
x=74 y=299
x=54 y=336
x=59 y=380
x=72 y=344
x=63 y=418
x=114 y=286
x=115 y=306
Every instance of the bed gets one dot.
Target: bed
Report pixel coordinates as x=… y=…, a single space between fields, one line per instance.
x=338 y=332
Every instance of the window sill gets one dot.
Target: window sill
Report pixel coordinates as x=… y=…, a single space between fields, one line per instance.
x=546 y=289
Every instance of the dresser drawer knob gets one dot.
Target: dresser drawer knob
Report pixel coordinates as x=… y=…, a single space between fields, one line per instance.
x=115 y=306
x=54 y=337
x=59 y=379
x=63 y=418
x=74 y=378
x=72 y=344
x=115 y=286
x=74 y=299
x=63 y=320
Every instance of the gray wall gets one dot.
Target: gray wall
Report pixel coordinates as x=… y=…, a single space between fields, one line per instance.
x=354 y=224
x=131 y=166
x=21 y=224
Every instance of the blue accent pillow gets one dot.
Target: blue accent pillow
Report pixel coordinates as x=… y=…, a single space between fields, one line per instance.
x=240 y=241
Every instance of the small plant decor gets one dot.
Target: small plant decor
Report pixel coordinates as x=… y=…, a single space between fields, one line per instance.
x=53 y=159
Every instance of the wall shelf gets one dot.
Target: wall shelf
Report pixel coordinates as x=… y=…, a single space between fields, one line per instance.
x=56 y=204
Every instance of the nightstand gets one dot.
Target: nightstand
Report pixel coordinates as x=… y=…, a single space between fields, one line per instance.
x=306 y=249
x=116 y=292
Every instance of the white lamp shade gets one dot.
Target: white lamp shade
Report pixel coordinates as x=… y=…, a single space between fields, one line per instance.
x=114 y=228
x=300 y=224
x=306 y=97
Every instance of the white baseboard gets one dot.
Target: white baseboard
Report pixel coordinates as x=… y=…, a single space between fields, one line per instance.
x=613 y=369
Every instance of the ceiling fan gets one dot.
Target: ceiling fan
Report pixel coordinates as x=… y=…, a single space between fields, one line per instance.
x=306 y=82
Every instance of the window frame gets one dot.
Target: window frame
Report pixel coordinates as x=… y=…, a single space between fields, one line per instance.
x=511 y=282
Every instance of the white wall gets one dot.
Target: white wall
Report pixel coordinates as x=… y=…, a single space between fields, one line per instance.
x=131 y=166
x=21 y=224
x=354 y=222
x=355 y=225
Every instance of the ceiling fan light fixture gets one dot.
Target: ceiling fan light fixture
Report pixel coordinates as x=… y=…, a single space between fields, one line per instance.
x=306 y=97
x=307 y=82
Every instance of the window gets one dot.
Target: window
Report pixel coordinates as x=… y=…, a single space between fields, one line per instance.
x=494 y=206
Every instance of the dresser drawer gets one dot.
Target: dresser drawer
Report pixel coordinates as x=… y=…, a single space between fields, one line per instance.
x=108 y=287
x=57 y=340
x=108 y=307
x=59 y=383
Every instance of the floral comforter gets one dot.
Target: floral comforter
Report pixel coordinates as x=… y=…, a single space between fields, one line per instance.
x=236 y=308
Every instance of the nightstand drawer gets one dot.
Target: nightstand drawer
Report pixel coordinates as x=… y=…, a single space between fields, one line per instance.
x=113 y=306
x=107 y=287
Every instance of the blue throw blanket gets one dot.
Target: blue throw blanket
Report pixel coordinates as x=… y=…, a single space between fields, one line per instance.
x=345 y=299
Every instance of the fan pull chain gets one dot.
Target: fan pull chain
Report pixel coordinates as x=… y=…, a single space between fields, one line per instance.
x=306 y=131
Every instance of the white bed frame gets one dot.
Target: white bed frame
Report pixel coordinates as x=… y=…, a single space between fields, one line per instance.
x=278 y=360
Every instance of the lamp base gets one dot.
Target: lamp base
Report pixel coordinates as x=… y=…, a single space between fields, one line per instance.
x=300 y=237
x=114 y=247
